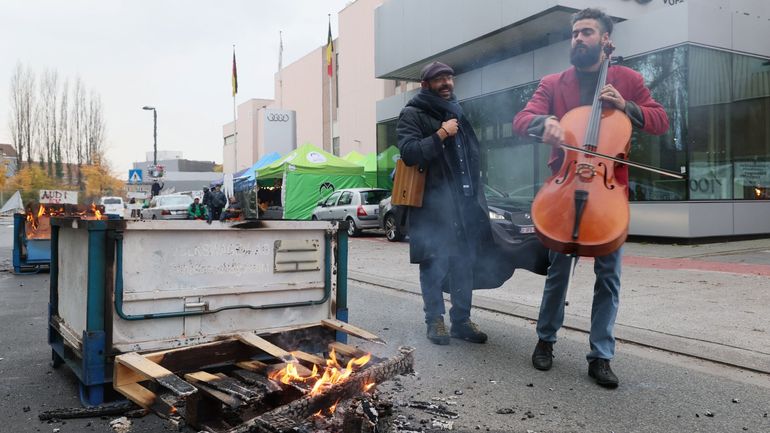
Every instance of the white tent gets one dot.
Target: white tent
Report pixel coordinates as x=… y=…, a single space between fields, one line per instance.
x=13 y=204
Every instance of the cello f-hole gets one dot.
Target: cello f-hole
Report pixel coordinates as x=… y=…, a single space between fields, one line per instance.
x=566 y=173
x=606 y=181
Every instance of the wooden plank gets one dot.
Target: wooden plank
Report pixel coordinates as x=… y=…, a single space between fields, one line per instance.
x=146 y=369
x=309 y=358
x=347 y=350
x=349 y=329
x=256 y=366
x=271 y=349
x=138 y=394
x=301 y=369
x=200 y=378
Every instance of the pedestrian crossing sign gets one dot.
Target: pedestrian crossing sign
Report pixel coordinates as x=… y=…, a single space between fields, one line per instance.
x=135 y=176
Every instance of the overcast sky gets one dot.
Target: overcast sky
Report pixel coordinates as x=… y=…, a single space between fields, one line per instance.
x=174 y=55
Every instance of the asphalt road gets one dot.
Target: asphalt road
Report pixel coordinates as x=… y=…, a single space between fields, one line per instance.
x=659 y=392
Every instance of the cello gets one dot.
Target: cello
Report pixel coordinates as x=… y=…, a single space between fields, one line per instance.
x=582 y=209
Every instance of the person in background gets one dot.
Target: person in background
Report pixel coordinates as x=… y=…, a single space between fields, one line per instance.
x=233 y=210
x=216 y=204
x=156 y=187
x=196 y=211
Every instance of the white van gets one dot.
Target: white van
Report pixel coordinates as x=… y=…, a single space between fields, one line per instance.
x=113 y=205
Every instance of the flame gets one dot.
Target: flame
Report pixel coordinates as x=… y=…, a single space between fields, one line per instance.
x=368 y=386
x=757 y=192
x=97 y=214
x=290 y=374
x=333 y=373
x=41 y=211
x=173 y=410
x=334 y=407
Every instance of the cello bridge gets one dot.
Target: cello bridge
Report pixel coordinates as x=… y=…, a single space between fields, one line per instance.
x=585 y=171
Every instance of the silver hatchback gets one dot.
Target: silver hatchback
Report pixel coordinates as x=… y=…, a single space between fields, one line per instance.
x=358 y=206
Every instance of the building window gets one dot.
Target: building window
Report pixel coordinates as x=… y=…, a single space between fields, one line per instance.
x=666 y=75
x=387 y=153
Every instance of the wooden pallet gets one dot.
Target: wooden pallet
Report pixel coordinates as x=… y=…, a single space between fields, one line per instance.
x=214 y=386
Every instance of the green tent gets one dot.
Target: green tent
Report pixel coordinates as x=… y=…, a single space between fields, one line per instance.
x=386 y=163
x=369 y=162
x=310 y=175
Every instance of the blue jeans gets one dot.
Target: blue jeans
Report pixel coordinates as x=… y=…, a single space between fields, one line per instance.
x=455 y=274
x=605 y=303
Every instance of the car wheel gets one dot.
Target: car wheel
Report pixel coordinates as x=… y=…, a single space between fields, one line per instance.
x=315 y=218
x=391 y=229
x=154 y=217
x=352 y=229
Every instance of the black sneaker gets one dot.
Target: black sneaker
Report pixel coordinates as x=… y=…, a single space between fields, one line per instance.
x=437 y=332
x=542 y=357
x=468 y=331
x=600 y=370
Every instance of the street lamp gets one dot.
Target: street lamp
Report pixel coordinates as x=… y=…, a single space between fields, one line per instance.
x=154 y=135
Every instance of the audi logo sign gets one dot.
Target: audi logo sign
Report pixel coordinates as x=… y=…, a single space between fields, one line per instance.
x=278 y=117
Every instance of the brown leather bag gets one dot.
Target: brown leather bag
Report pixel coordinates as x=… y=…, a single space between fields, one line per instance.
x=408 y=185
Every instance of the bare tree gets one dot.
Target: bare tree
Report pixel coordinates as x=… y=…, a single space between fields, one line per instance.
x=47 y=115
x=22 y=122
x=61 y=154
x=95 y=130
x=78 y=126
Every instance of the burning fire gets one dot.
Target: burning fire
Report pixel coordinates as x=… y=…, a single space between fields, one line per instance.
x=38 y=224
x=333 y=373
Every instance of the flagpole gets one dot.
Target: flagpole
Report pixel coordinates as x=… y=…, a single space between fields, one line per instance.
x=235 y=118
x=280 y=69
x=331 y=96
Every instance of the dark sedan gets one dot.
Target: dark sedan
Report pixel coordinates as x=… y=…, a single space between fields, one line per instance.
x=513 y=215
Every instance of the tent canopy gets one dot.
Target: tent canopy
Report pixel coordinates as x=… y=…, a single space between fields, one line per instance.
x=369 y=162
x=247 y=174
x=13 y=204
x=309 y=159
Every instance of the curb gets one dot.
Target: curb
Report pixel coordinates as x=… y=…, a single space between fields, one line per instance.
x=732 y=356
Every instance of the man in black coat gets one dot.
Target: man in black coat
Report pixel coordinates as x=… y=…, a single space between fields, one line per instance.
x=447 y=233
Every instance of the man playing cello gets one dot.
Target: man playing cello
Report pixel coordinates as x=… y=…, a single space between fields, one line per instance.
x=554 y=97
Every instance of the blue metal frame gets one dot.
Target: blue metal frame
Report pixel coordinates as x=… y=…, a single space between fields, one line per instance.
x=39 y=249
x=342 y=280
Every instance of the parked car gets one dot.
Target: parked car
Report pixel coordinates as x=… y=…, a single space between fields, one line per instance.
x=167 y=207
x=358 y=206
x=113 y=206
x=513 y=215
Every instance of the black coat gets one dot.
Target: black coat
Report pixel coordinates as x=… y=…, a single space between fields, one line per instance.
x=448 y=223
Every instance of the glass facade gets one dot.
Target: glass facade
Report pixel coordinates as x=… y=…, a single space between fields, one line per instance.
x=718 y=104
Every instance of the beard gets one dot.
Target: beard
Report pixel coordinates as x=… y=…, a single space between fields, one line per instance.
x=586 y=58
x=445 y=86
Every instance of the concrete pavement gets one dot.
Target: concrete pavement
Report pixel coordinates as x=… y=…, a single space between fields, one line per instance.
x=707 y=301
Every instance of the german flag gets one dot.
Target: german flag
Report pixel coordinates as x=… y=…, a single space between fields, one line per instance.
x=235 y=76
x=329 y=51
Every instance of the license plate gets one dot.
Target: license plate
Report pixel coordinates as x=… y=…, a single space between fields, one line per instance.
x=530 y=229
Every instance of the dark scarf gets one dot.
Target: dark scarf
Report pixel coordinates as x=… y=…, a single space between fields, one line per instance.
x=443 y=110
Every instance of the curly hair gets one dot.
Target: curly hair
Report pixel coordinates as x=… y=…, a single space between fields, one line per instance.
x=605 y=22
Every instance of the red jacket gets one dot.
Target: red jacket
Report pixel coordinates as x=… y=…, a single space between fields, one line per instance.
x=559 y=93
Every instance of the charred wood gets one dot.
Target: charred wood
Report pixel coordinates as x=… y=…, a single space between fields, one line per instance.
x=287 y=418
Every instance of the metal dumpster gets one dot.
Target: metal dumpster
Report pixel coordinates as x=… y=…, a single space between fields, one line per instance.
x=120 y=286
x=29 y=254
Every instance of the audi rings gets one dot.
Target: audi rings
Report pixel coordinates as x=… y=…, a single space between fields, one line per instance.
x=278 y=117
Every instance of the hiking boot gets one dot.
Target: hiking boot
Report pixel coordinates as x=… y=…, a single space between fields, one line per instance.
x=437 y=332
x=468 y=331
x=600 y=370
x=542 y=357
